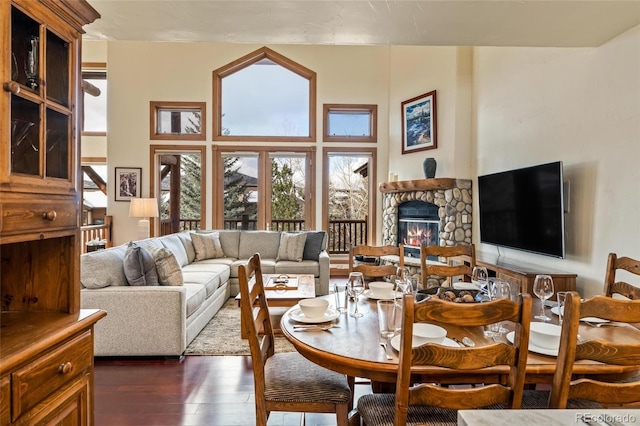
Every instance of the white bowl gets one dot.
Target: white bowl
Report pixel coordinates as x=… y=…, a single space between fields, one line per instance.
x=545 y=335
x=381 y=289
x=313 y=308
x=428 y=333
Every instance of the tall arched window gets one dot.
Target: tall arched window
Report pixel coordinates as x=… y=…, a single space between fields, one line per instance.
x=264 y=96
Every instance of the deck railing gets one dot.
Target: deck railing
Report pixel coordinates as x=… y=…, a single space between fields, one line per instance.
x=342 y=233
x=97 y=232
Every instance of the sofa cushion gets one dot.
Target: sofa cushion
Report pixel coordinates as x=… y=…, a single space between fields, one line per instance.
x=185 y=237
x=207 y=246
x=315 y=243
x=305 y=267
x=169 y=272
x=264 y=242
x=174 y=244
x=291 y=246
x=230 y=242
x=103 y=268
x=139 y=266
x=196 y=295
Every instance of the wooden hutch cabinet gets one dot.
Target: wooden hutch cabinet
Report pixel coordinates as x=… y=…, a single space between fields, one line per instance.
x=46 y=340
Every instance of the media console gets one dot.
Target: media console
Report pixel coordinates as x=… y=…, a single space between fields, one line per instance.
x=524 y=273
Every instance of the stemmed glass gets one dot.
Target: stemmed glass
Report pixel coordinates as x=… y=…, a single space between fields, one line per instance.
x=480 y=277
x=502 y=290
x=356 y=285
x=543 y=288
x=402 y=280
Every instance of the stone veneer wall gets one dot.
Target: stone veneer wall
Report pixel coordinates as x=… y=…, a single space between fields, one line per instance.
x=452 y=196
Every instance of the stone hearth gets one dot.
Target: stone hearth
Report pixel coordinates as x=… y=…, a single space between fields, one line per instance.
x=452 y=196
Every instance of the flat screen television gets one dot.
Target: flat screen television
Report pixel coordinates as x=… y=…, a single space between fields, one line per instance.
x=523 y=209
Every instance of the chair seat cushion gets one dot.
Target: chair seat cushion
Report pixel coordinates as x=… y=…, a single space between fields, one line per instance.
x=289 y=377
x=379 y=410
x=540 y=399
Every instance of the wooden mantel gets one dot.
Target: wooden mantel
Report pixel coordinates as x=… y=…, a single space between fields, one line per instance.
x=417 y=185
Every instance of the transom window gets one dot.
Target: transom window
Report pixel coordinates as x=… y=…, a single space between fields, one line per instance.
x=264 y=96
x=350 y=123
x=94 y=85
x=177 y=120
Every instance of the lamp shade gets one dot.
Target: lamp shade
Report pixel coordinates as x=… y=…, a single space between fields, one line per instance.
x=143 y=207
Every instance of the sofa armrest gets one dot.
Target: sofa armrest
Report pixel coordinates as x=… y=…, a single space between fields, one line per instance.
x=323 y=284
x=140 y=321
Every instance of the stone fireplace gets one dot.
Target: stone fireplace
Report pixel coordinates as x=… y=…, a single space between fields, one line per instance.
x=430 y=211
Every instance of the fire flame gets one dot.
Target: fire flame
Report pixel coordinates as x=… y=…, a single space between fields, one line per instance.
x=418 y=235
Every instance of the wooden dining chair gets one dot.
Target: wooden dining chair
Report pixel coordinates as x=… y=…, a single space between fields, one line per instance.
x=284 y=381
x=431 y=404
x=623 y=288
x=568 y=393
x=375 y=271
x=452 y=268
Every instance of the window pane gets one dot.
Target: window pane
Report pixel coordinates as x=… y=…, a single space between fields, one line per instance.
x=348 y=195
x=179 y=122
x=240 y=191
x=265 y=99
x=95 y=108
x=349 y=123
x=287 y=193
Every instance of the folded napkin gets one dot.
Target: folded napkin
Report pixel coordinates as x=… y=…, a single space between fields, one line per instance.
x=465 y=286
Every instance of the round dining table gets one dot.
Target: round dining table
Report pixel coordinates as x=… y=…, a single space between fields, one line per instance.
x=352 y=346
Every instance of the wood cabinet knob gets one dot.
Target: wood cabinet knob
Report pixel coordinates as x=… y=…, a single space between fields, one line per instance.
x=12 y=87
x=65 y=368
x=50 y=215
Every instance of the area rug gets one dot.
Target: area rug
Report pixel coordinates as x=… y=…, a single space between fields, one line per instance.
x=222 y=335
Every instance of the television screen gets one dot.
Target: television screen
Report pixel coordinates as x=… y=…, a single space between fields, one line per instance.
x=524 y=209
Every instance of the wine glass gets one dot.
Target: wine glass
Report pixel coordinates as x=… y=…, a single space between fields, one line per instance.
x=402 y=279
x=480 y=277
x=543 y=288
x=502 y=290
x=356 y=285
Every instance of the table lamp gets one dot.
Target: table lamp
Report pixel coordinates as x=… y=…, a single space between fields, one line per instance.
x=143 y=208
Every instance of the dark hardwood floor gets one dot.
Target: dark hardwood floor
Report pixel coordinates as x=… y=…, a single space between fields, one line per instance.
x=194 y=390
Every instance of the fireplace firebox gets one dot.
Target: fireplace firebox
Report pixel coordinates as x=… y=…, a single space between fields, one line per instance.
x=418 y=224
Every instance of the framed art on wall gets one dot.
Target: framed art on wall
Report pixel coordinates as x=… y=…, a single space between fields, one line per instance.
x=419 y=123
x=128 y=183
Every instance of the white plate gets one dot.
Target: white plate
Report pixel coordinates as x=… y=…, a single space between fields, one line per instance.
x=466 y=286
x=556 y=310
x=533 y=347
x=330 y=315
x=368 y=295
x=395 y=343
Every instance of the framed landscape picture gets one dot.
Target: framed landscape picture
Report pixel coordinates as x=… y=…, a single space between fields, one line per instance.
x=419 y=123
x=128 y=183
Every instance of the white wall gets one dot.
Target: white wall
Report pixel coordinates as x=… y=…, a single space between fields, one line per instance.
x=580 y=106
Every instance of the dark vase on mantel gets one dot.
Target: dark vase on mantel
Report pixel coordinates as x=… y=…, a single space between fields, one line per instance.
x=429 y=167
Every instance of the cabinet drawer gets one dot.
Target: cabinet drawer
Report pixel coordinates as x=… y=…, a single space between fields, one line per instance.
x=5 y=400
x=38 y=215
x=34 y=382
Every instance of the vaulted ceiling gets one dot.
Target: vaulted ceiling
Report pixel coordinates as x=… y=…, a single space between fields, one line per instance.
x=574 y=23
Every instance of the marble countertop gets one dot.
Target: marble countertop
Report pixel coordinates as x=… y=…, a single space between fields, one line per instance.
x=605 y=417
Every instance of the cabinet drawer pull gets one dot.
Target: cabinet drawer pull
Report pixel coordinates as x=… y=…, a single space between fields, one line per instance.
x=50 y=215
x=65 y=368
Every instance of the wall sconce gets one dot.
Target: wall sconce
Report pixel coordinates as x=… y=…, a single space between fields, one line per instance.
x=143 y=208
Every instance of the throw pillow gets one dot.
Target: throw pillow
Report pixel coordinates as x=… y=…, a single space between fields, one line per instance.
x=169 y=272
x=291 y=246
x=314 y=245
x=139 y=266
x=207 y=246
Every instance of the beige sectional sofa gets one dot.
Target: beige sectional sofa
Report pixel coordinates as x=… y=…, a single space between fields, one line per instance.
x=163 y=318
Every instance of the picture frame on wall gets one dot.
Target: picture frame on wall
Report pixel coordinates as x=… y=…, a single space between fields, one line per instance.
x=419 y=130
x=128 y=183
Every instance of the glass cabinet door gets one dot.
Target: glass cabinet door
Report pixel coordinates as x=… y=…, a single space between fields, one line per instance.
x=42 y=121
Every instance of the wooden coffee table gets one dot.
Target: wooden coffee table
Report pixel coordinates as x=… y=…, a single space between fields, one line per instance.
x=286 y=297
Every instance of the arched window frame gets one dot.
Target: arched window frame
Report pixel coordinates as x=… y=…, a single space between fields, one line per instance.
x=250 y=59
